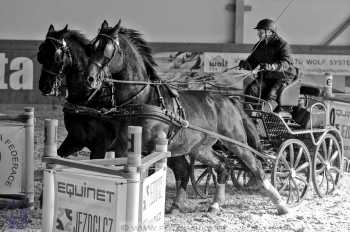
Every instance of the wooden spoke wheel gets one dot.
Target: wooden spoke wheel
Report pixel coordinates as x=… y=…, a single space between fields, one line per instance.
x=203 y=178
x=292 y=171
x=327 y=165
x=240 y=176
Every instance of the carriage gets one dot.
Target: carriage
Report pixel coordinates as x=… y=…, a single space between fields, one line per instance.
x=301 y=145
x=118 y=85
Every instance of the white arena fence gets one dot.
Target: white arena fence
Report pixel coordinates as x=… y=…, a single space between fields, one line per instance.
x=17 y=159
x=104 y=195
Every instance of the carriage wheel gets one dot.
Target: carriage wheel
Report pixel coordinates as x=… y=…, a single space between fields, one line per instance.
x=292 y=171
x=327 y=166
x=240 y=176
x=201 y=184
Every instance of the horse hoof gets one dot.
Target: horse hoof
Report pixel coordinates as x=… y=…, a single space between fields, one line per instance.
x=173 y=211
x=282 y=210
x=214 y=208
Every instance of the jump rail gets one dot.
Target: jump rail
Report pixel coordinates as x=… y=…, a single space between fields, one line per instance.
x=17 y=159
x=131 y=210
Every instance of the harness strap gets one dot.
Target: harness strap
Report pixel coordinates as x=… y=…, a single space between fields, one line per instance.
x=227 y=139
x=155 y=112
x=133 y=97
x=160 y=96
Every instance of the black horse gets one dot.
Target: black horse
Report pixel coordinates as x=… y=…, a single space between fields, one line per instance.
x=64 y=59
x=138 y=89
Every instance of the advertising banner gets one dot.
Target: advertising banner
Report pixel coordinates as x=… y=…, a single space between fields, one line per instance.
x=153 y=202
x=12 y=151
x=20 y=72
x=86 y=201
x=187 y=70
x=320 y=64
x=342 y=122
x=310 y=64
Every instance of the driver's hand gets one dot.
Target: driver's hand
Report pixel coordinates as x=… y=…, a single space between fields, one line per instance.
x=243 y=64
x=268 y=67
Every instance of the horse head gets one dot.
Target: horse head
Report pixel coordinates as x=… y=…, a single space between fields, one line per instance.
x=106 y=54
x=62 y=54
x=125 y=56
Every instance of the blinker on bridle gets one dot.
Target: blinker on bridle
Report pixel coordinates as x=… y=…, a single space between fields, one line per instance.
x=116 y=47
x=59 y=76
x=64 y=48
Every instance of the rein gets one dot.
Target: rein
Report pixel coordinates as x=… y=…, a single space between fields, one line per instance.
x=151 y=111
x=156 y=112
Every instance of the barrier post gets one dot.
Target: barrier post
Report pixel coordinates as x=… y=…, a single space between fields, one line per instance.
x=29 y=156
x=328 y=85
x=110 y=155
x=133 y=187
x=50 y=150
x=161 y=146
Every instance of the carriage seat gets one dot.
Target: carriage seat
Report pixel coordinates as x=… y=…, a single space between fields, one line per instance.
x=290 y=94
x=310 y=90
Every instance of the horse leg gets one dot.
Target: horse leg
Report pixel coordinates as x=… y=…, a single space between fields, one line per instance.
x=180 y=167
x=222 y=175
x=255 y=167
x=98 y=151
x=69 y=146
x=211 y=158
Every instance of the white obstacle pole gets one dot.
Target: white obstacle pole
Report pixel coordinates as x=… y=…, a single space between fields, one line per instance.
x=133 y=166
x=328 y=85
x=50 y=150
x=161 y=146
x=110 y=155
x=28 y=186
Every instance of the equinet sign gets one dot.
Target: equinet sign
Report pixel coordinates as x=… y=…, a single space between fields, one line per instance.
x=19 y=71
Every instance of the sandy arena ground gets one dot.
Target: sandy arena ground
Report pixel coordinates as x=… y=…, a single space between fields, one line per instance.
x=242 y=211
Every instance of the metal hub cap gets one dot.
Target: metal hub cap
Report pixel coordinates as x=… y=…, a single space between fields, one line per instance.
x=328 y=165
x=293 y=173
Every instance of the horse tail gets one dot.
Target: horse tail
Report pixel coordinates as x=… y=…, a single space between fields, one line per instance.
x=253 y=138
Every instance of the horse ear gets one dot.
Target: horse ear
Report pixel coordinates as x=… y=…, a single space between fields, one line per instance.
x=104 y=25
x=65 y=28
x=117 y=27
x=51 y=29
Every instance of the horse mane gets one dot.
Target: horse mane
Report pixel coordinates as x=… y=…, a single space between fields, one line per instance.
x=144 y=50
x=77 y=36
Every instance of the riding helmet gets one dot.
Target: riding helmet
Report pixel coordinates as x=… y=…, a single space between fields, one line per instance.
x=266 y=24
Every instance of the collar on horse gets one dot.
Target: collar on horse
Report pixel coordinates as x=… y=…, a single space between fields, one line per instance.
x=128 y=112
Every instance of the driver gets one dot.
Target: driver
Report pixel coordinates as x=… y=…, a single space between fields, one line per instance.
x=272 y=54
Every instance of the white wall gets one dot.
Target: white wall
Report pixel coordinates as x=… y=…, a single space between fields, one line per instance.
x=304 y=22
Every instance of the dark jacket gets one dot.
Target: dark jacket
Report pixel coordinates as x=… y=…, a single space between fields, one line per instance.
x=275 y=51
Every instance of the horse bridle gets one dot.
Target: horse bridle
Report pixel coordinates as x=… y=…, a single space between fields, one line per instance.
x=116 y=47
x=59 y=76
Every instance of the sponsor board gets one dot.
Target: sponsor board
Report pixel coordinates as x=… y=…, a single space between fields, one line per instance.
x=218 y=62
x=20 y=72
x=310 y=64
x=12 y=151
x=342 y=122
x=152 y=202
x=88 y=202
